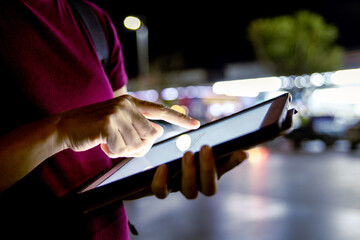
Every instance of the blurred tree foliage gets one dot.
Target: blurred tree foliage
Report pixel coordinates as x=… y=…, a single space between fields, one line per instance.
x=296 y=44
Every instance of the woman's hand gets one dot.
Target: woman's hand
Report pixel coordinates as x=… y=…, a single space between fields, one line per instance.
x=120 y=125
x=195 y=180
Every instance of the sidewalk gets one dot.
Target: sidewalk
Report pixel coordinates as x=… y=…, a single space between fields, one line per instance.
x=283 y=195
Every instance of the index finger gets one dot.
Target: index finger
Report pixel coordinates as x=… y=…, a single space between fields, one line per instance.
x=160 y=112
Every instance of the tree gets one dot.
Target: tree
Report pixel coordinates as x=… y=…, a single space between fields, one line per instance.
x=297 y=44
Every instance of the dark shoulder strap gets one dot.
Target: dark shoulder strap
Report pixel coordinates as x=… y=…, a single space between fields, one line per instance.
x=94 y=29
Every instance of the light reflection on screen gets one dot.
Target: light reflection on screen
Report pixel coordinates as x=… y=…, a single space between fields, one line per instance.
x=183 y=142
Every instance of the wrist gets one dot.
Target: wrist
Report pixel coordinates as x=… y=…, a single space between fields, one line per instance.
x=60 y=138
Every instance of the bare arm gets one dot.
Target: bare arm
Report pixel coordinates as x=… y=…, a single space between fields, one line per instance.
x=119 y=125
x=25 y=148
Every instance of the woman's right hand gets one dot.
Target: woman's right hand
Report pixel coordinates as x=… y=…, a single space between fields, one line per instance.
x=120 y=125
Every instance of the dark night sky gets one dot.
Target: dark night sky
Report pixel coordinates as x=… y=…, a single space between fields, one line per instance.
x=213 y=34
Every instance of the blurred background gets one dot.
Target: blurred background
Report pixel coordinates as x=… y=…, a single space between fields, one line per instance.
x=211 y=60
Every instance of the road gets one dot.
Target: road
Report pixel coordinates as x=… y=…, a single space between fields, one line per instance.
x=277 y=194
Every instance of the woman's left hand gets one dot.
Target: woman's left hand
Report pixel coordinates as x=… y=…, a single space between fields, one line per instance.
x=191 y=184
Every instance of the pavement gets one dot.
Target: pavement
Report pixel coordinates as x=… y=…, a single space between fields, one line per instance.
x=277 y=194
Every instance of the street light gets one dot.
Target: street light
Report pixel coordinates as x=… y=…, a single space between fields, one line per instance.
x=132 y=23
x=142 y=39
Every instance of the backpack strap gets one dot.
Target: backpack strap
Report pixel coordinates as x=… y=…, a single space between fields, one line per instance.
x=94 y=29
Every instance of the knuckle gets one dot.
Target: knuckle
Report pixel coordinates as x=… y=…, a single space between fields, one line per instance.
x=154 y=133
x=150 y=133
x=108 y=116
x=135 y=147
x=116 y=150
x=128 y=97
x=124 y=102
x=120 y=152
x=163 y=110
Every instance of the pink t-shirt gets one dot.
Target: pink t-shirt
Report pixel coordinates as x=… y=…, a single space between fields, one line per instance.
x=48 y=64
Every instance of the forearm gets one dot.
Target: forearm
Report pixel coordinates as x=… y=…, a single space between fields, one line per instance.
x=118 y=125
x=24 y=148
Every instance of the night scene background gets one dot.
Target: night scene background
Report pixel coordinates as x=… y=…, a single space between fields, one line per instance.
x=304 y=185
x=211 y=34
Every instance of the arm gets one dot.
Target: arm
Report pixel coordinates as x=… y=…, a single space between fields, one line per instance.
x=119 y=125
x=26 y=147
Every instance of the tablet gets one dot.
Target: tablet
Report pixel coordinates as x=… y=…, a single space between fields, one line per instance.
x=241 y=130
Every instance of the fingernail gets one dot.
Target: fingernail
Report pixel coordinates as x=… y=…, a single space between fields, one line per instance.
x=245 y=155
x=195 y=122
x=207 y=151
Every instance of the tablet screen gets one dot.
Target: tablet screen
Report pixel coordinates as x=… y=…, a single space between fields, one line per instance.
x=213 y=134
